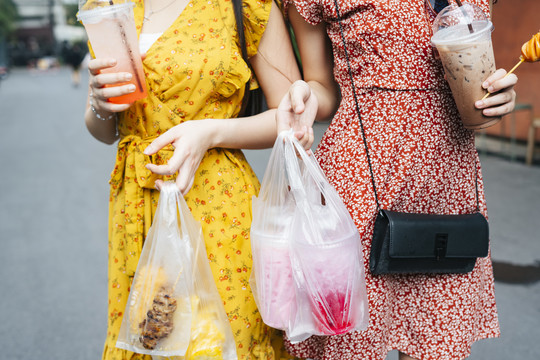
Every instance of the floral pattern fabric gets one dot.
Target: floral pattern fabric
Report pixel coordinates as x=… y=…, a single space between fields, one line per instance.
x=193 y=71
x=424 y=161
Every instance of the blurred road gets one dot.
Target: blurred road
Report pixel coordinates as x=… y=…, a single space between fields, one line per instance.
x=53 y=226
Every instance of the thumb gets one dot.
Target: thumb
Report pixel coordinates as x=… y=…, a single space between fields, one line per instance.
x=300 y=93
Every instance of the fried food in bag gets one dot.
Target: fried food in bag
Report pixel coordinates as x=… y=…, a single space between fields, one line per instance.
x=174 y=310
x=207 y=335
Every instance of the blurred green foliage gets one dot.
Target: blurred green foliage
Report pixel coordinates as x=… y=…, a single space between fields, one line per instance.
x=8 y=16
x=71 y=14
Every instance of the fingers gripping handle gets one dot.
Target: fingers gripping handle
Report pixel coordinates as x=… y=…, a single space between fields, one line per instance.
x=293 y=149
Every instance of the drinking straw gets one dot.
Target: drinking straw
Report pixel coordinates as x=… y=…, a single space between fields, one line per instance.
x=469 y=25
x=130 y=51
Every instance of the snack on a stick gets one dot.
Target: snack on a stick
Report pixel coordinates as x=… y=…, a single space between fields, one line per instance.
x=530 y=52
x=159 y=320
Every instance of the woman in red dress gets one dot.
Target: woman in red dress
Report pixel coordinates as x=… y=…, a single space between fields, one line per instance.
x=424 y=161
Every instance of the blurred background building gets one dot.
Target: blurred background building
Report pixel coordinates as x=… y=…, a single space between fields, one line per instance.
x=38 y=29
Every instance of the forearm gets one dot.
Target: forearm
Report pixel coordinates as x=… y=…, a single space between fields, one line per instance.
x=328 y=100
x=317 y=63
x=254 y=132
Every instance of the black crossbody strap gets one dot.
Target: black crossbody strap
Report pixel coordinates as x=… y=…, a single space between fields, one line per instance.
x=353 y=86
x=357 y=106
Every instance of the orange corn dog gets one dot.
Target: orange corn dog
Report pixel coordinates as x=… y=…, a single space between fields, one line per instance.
x=530 y=51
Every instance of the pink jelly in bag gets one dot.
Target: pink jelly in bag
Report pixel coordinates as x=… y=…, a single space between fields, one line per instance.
x=271 y=278
x=308 y=274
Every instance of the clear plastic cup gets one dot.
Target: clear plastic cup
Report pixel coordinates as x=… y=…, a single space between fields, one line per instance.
x=462 y=36
x=331 y=274
x=110 y=26
x=273 y=283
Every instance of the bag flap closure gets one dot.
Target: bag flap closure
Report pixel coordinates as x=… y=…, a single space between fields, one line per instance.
x=437 y=236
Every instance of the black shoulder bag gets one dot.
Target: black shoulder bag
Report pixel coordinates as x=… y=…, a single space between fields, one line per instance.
x=405 y=243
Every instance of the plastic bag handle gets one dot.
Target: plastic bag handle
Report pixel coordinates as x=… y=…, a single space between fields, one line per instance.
x=292 y=148
x=291 y=143
x=170 y=191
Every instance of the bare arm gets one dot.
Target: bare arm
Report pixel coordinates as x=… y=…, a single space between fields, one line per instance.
x=317 y=63
x=276 y=70
x=315 y=98
x=275 y=67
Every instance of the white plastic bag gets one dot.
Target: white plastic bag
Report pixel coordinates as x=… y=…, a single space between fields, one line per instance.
x=321 y=241
x=271 y=278
x=174 y=309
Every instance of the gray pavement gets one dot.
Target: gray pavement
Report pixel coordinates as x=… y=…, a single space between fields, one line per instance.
x=53 y=229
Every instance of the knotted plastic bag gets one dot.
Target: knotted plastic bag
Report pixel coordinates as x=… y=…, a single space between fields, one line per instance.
x=174 y=309
x=321 y=242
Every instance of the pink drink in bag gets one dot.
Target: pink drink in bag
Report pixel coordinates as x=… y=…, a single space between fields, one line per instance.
x=326 y=251
x=330 y=272
x=273 y=280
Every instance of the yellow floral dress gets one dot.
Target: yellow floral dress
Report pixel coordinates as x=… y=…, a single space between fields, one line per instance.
x=193 y=71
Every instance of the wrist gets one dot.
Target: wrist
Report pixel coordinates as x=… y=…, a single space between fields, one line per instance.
x=99 y=114
x=216 y=133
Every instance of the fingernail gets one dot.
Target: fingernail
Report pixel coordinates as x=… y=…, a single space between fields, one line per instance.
x=490 y=89
x=147 y=151
x=128 y=76
x=131 y=88
x=479 y=104
x=112 y=62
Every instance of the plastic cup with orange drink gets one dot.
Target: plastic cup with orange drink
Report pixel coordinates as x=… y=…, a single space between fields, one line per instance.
x=110 y=26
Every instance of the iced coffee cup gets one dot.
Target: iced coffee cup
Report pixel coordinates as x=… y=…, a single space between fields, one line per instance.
x=110 y=26
x=462 y=36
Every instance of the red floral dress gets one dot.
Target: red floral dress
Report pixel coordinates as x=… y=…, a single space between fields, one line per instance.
x=423 y=159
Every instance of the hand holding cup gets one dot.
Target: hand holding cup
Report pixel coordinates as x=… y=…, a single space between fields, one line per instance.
x=105 y=85
x=113 y=38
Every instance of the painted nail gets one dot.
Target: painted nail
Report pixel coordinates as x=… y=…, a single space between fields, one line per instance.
x=131 y=88
x=128 y=76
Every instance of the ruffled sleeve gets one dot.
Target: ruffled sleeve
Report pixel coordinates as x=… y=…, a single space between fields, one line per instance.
x=256 y=15
x=310 y=10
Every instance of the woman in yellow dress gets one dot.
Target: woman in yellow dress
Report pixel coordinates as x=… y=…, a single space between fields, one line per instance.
x=196 y=78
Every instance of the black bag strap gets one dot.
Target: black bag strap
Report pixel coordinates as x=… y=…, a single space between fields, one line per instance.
x=353 y=86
